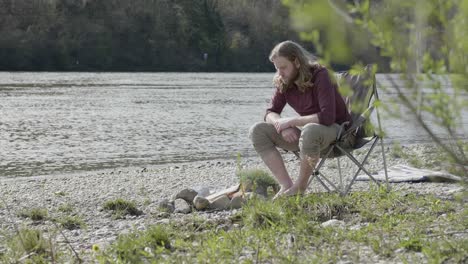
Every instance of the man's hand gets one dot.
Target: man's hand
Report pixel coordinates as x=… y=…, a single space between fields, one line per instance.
x=282 y=123
x=291 y=134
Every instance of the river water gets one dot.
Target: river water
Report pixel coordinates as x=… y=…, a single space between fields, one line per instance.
x=67 y=122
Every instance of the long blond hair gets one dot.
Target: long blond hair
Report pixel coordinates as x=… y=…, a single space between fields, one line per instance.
x=307 y=64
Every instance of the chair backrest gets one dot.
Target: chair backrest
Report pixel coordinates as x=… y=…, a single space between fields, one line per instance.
x=362 y=90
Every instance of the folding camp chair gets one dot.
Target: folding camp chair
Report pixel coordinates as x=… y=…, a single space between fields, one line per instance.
x=361 y=105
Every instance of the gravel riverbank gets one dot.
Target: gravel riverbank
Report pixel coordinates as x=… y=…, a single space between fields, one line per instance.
x=85 y=193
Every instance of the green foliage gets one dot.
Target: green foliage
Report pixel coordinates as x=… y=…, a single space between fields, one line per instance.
x=138 y=247
x=35 y=214
x=61 y=193
x=395 y=227
x=141 y=35
x=71 y=222
x=256 y=176
x=258 y=181
x=121 y=207
x=262 y=214
x=66 y=208
x=289 y=230
x=30 y=246
x=423 y=41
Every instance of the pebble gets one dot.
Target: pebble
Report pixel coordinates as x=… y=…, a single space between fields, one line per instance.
x=333 y=223
x=164 y=221
x=167 y=205
x=182 y=206
x=187 y=195
x=200 y=203
x=221 y=203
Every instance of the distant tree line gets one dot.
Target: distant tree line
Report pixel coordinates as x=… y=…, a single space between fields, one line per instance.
x=141 y=35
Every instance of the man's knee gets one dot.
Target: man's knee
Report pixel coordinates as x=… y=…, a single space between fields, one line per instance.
x=312 y=132
x=259 y=129
x=311 y=139
x=260 y=135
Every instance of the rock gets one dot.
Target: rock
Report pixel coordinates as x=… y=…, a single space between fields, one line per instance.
x=163 y=221
x=222 y=227
x=200 y=203
x=163 y=215
x=187 y=195
x=220 y=203
x=344 y=262
x=236 y=202
x=182 y=206
x=167 y=206
x=400 y=251
x=357 y=226
x=333 y=223
x=203 y=191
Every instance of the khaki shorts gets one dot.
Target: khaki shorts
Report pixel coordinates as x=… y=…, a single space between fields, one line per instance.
x=315 y=139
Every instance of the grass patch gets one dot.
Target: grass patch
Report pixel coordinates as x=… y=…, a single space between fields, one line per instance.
x=413 y=159
x=138 y=247
x=392 y=226
x=120 y=208
x=397 y=151
x=35 y=214
x=256 y=180
x=29 y=246
x=71 y=222
x=66 y=208
x=376 y=226
x=34 y=246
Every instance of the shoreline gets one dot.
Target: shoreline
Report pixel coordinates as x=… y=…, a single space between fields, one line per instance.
x=388 y=143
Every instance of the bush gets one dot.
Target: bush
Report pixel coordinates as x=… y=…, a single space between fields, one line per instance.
x=256 y=180
x=71 y=222
x=121 y=207
x=35 y=214
x=139 y=246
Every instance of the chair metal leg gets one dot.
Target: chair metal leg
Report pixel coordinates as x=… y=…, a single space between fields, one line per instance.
x=321 y=182
x=339 y=173
x=351 y=157
x=385 y=165
x=316 y=171
x=341 y=188
x=359 y=168
x=381 y=138
x=329 y=182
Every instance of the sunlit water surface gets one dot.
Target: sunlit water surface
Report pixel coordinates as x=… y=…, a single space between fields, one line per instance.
x=67 y=122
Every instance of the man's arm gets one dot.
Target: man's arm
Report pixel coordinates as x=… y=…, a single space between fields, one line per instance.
x=278 y=101
x=304 y=120
x=290 y=134
x=272 y=117
x=284 y=123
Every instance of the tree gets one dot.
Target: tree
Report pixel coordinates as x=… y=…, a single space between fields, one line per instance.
x=141 y=35
x=423 y=41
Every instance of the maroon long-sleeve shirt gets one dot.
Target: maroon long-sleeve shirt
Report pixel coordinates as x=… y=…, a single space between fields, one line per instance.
x=322 y=99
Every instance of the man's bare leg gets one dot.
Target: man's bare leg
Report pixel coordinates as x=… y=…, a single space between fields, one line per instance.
x=275 y=163
x=306 y=168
